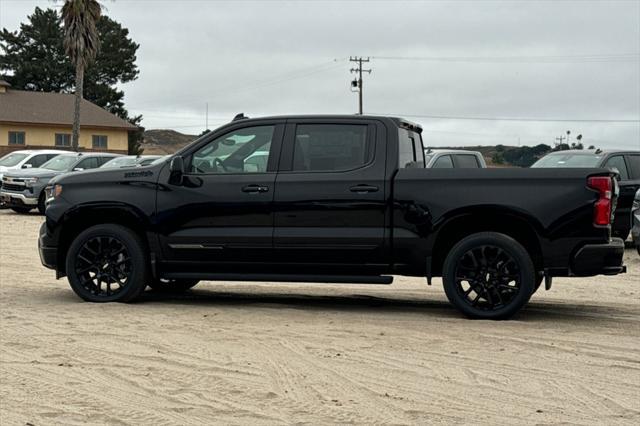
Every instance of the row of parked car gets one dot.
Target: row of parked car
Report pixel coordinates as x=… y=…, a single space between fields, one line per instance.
x=25 y=174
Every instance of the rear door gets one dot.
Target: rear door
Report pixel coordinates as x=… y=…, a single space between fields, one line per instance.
x=330 y=193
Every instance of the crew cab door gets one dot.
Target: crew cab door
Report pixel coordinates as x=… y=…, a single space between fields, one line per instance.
x=330 y=193
x=223 y=209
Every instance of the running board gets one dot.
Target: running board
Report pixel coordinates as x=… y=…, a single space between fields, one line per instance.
x=291 y=278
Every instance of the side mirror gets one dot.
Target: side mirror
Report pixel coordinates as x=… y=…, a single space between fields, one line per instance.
x=176 y=171
x=78 y=169
x=27 y=166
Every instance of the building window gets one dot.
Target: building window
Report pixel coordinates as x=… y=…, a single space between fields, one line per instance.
x=16 y=138
x=99 y=142
x=63 y=139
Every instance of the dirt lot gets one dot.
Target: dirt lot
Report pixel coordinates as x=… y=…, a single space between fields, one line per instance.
x=286 y=353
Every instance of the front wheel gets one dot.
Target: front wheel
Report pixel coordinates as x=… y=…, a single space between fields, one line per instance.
x=172 y=285
x=107 y=263
x=489 y=276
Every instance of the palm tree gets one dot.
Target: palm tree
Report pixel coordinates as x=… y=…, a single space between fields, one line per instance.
x=81 y=43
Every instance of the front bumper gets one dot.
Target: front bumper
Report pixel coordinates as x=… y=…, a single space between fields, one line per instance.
x=17 y=199
x=597 y=259
x=47 y=249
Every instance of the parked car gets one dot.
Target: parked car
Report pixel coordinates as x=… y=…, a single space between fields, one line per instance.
x=23 y=190
x=635 y=218
x=130 y=161
x=626 y=163
x=343 y=199
x=453 y=159
x=26 y=159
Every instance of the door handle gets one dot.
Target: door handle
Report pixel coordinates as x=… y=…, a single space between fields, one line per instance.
x=254 y=189
x=363 y=189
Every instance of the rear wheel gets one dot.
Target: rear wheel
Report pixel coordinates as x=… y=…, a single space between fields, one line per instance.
x=488 y=276
x=172 y=285
x=107 y=263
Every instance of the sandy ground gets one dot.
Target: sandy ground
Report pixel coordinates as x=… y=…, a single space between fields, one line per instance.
x=286 y=353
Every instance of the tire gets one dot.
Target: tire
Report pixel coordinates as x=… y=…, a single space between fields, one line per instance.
x=21 y=210
x=107 y=255
x=500 y=276
x=172 y=285
x=41 y=202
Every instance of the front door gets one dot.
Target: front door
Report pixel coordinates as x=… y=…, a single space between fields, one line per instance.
x=330 y=196
x=222 y=211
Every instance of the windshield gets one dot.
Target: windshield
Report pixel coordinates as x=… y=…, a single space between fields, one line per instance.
x=60 y=163
x=568 y=160
x=120 y=162
x=11 y=160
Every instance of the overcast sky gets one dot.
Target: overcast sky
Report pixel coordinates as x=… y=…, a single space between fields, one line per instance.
x=552 y=60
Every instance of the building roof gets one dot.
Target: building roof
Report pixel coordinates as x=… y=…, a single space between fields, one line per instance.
x=4 y=83
x=19 y=106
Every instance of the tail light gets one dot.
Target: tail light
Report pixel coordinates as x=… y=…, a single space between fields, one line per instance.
x=602 y=208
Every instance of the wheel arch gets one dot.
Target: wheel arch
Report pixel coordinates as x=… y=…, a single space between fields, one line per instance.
x=518 y=225
x=84 y=216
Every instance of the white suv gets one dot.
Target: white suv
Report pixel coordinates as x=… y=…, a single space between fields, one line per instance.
x=26 y=159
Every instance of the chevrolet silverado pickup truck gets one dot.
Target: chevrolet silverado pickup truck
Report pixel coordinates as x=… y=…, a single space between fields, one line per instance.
x=337 y=199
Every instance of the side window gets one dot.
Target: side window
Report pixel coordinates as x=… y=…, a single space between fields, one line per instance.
x=239 y=151
x=102 y=160
x=99 y=141
x=634 y=163
x=618 y=162
x=16 y=138
x=410 y=150
x=37 y=160
x=331 y=147
x=87 y=163
x=63 y=139
x=443 y=162
x=466 y=161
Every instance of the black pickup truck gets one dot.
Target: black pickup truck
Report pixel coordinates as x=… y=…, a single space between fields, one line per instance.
x=341 y=199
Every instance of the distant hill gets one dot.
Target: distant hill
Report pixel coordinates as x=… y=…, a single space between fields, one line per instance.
x=162 y=142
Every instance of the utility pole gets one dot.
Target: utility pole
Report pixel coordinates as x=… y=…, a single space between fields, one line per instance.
x=206 y=117
x=560 y=139
x=358 y=83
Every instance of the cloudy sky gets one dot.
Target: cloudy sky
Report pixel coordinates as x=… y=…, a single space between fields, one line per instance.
x=478 y=72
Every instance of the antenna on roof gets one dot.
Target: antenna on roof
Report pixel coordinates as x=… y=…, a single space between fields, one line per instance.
x=240 y=116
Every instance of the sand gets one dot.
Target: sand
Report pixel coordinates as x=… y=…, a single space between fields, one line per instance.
x=268 y=353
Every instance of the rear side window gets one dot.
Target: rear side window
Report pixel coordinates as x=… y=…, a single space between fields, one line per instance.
x=331 y=147
x=443 y=162
x=618 y=163
x=410 y=151
x=88 y=163
x=37 y=160
x=466 y=161
x=634 y=163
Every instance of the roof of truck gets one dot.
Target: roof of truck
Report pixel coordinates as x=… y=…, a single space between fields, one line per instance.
x=399 y=121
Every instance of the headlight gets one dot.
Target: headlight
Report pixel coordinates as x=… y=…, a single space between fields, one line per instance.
x=30 y=181
x=53 y=191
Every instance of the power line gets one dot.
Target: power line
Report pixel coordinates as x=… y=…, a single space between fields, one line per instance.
x=358 y=82
x=617 y=57
x=532 y=119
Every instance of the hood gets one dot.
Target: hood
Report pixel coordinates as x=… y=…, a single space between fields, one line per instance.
x=111 y=175
x=27 y=173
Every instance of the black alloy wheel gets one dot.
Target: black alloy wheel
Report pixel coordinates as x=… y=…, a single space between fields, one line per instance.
x=107 y=263
x=489 y=275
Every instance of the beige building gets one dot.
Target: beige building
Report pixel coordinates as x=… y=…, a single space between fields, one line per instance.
x=43 y=120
